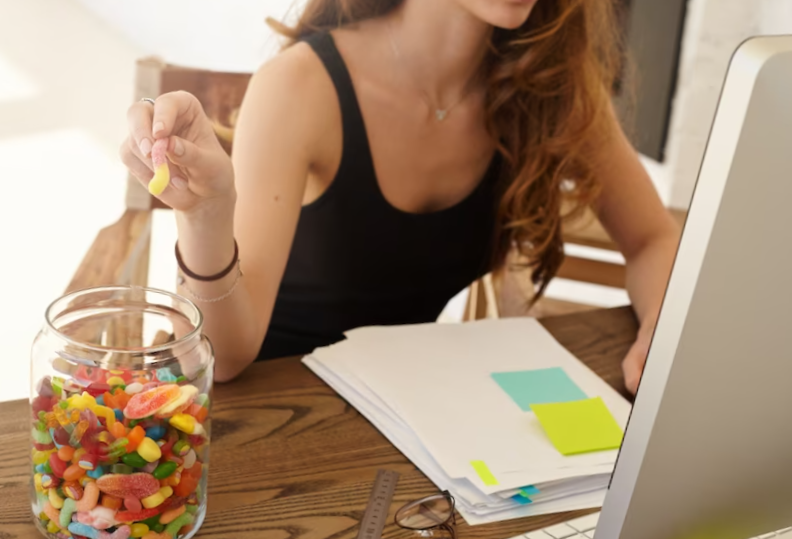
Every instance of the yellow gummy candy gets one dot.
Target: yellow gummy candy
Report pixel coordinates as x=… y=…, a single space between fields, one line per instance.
x=40 y=457
x=149 y=450
x=55 y=500
x=186 y=423
x=160 y=180
x=52 y=527
x=105 y=412
x=61 y=416
x=81 y=402
x=115 y=381
x=152 y=501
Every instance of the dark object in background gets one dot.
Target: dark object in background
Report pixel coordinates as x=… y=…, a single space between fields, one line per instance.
x=653 y=35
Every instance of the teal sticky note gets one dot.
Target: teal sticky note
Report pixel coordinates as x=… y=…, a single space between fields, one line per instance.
x=522 y=500
x=529 y=491
x=541 y=386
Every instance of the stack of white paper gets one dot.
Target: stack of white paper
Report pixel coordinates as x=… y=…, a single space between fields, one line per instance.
x=430 y=390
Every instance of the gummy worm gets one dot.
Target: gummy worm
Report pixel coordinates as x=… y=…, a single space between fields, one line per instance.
x=90 y=498
x=69 y=507
x=174 y=527
x=161 y=177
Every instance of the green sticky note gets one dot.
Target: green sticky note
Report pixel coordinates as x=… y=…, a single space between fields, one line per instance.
x=538 y=386
x=484 y=472
x=579 y=426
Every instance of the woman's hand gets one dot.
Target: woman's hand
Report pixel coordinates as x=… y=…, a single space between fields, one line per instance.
x=634 y=362
x=201 y=172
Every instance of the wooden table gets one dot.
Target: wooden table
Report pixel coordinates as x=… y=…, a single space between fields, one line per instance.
x=290 y=459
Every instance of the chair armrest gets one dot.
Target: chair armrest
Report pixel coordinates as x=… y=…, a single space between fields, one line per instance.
x=119 y=254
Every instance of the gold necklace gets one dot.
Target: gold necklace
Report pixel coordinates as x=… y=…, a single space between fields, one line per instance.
x=440 y=112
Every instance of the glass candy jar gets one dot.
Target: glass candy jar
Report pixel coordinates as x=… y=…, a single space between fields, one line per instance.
x=121 y=389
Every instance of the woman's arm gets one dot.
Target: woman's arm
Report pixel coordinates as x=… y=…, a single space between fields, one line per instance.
x=277 y=136
x=632 y=213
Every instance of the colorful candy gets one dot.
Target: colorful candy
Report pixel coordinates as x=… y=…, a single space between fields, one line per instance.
x=187 y=423
x=136 y=516
x=90 y=498
x=139 y=485
x=147 y=402
x=156 y=499
x=54 y=499
x=100 y=517
x=69 y=507
x=85 y=530
x=149 y=450
x=138 y=530
x=180 y=403
x=133 y=389
x=111 y=501
x=183 y=520
x=88 y=461
x=157 y=432
x=52 y=513
x=73 y=473
x=72 y=490
x=47 y=480
x=118 y=454
x=135 y=436
x=189 y=459
x=165 y=470
x=172 y=514
x=40 y=437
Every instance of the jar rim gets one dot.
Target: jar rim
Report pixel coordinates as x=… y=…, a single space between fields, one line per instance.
x=198 y=318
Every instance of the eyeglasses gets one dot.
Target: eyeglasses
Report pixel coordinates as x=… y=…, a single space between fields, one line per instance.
x=434 y=512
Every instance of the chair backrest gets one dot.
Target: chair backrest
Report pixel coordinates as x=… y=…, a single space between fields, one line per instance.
x=220 y=94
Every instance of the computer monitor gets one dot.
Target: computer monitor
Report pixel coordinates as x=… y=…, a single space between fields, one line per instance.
x=708 y=450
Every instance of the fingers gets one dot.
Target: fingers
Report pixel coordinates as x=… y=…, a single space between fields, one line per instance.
x=633 y=366
x=632 y=376
x=130 y=156
x=172 y=109
x=184 y=153
x=139 y=118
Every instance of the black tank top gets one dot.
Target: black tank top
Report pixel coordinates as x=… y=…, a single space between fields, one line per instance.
x=357 y=260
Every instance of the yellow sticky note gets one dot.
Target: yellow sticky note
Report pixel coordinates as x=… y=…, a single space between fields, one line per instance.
x=484 y=472
x=579 y=426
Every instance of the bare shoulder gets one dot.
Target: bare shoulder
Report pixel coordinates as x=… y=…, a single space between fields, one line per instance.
x=293 y=87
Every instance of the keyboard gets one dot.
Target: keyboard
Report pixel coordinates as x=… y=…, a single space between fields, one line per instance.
x=584 y=528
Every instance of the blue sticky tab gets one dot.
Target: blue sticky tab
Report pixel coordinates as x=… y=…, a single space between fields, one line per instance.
x=541 y=386
x=522 y=500
x=529 y=491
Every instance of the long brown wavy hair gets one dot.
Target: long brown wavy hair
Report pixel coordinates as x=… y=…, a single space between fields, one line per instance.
x=548 y=90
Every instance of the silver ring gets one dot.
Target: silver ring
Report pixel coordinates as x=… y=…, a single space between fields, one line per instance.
x=148 y=100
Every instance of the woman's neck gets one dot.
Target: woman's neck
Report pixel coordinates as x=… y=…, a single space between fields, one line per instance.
x=441 y=44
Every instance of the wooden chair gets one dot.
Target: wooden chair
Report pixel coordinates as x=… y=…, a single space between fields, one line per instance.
x=120 y=253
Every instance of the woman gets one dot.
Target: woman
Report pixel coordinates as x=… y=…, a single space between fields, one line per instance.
x=392 y=154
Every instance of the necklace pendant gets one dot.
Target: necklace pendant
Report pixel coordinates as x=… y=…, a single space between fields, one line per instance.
x=441 y=114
